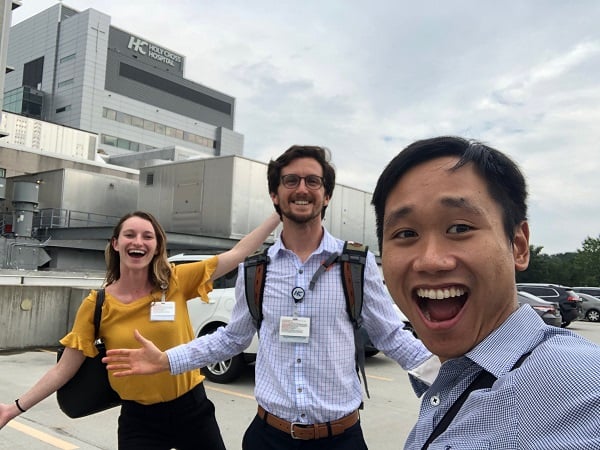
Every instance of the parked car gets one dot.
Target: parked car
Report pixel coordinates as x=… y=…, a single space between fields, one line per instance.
x=207 y=317
x=591 y=307
x=548 y=311
x=568 y=301
x=595 y=291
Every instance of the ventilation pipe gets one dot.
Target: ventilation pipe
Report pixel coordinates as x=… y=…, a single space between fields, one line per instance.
x=2 y=183
x=25 y=202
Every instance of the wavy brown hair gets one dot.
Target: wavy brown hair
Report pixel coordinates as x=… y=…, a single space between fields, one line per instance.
x=159 y=270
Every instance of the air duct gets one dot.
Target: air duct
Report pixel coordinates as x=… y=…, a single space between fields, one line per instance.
x=25 y=202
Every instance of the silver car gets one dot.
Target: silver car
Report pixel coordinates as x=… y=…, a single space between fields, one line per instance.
x=548 y=311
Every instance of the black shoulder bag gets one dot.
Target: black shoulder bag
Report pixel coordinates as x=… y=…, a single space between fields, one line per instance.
x=89 y=391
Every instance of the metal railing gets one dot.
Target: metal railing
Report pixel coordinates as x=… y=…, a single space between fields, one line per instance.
x=66 y=218
x=60 y=218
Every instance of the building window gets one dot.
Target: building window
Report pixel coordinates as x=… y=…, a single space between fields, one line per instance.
x=150 y=179
x=109 y=113
x=155 y=127
x=65 y=83
x=123 y=118
x=110 y=140
x=67 y=58
x=32 y=73
x=63 y=109
x=137 y=122
x=148 y=125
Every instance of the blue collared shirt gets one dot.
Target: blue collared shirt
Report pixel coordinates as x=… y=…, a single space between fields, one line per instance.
x=312 y=382
x=552 y=401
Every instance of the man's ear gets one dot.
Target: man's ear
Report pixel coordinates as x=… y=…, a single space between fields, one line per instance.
x=521 y=246
x=274 y=198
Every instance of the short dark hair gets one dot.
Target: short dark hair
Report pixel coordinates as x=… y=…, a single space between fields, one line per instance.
x=505 y=181
x=321 y=154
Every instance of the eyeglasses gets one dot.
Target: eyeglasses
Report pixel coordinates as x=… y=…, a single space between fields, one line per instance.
x=292 y=181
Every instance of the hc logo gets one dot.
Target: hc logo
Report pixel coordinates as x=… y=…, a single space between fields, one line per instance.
x=137 y=45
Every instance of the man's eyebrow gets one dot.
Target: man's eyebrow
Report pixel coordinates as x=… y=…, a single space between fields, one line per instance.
x=461 y=203
x=397 y=214
x=449 y=202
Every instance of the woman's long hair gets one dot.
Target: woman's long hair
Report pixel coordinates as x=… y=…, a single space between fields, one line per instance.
x=159 y=270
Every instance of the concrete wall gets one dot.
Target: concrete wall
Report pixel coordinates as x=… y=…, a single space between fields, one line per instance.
x=37 y=316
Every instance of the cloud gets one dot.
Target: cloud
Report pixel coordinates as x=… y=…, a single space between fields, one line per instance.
x=367 y=81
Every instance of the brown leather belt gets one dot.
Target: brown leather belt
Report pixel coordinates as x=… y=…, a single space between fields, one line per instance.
x=309 y=431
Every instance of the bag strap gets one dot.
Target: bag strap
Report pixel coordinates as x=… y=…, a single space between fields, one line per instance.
x=353 y=260
x=255 y=273
x=482 y=381
x=98 y=314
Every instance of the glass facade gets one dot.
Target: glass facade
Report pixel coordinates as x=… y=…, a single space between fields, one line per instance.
x=24 y=100
x=156 y=127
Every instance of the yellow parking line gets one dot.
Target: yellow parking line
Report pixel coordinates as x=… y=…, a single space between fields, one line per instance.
x=380 y=378
x=226 y=391
x=58 y=443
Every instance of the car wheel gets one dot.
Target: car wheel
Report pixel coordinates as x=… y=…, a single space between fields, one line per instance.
x=593 y=315
x=224 y=371
x=565 y=324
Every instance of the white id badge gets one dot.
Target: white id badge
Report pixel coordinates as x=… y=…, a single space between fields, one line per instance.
x=294 y=329
x=162 y=311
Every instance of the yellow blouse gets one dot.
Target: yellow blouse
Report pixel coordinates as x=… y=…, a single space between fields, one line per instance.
x=119 y=320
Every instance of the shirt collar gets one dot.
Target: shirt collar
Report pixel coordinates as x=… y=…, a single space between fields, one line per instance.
x=519 y=333
x=328 y=244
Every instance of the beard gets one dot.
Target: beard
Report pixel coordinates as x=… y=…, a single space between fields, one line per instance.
x=301 y=219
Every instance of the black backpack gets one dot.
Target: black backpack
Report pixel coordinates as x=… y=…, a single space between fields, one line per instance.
x=353 y=260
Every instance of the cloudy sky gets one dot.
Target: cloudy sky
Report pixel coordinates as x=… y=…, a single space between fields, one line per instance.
x=367 y=78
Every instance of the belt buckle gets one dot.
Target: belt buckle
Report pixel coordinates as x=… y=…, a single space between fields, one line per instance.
x=292 y=430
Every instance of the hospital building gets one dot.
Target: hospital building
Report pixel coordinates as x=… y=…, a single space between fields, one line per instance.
x=75 y=69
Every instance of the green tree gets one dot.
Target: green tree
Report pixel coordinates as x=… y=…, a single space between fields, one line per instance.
x=537 y=271
x=587 y=262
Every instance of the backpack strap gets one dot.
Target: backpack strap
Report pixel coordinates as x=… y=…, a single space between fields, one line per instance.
x=98 y=341
x=255 y=273
x=98 y=312
x=482 y=381
x=353 y=260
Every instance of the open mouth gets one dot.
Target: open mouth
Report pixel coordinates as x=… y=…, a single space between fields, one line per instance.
x=301 y=202
x=136 y=253
x=439 y=305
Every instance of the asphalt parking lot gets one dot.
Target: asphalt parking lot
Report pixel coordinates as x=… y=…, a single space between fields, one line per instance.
x=387 y=417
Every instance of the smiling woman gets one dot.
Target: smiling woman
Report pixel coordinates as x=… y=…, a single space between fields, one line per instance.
x=145 y=292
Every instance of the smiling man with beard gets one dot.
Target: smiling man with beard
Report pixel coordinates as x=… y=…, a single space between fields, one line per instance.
x=452 y=229
x=307 y=387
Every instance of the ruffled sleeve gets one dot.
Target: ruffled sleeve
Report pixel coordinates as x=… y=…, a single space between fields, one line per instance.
x=194 y=278
x=82 y=336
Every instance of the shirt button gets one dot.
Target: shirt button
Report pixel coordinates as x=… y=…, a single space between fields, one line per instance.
x=299 y=389
x=300 y=271
x=303 y=415
x=434 y=400
x=298 y=360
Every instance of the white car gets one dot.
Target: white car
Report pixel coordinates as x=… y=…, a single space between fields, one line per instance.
x=207 y=317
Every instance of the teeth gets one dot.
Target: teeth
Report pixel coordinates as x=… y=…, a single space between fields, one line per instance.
x=137 y=252
x=440 y=294
x=301 y=202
